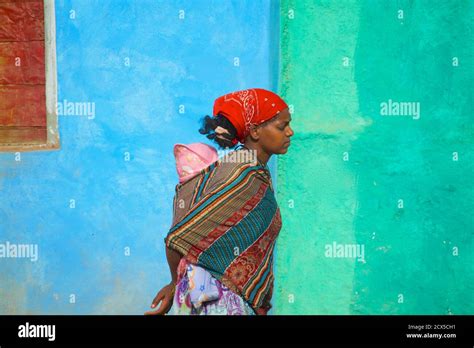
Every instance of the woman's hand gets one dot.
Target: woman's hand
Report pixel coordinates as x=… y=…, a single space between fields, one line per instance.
x=261 y=311
x=165 y=296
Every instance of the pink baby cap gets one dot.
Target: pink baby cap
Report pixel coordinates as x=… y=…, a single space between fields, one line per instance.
x=192 y=158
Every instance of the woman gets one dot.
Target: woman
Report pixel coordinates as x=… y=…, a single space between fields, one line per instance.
x=226 y=219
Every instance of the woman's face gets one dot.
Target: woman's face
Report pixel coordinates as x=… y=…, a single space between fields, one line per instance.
x=275 y=134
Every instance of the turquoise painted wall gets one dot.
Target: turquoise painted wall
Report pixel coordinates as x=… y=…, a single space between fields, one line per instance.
x=390 y=185
x=137 y=62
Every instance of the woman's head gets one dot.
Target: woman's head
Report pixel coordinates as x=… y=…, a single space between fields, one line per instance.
x=272 y=136
x=255 y=117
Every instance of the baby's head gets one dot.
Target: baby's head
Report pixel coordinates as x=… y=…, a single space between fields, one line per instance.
x=192 y=158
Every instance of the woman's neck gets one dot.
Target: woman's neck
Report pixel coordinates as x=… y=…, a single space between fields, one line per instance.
x=262 y=156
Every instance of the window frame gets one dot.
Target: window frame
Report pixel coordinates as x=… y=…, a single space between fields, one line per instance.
x=51 y=91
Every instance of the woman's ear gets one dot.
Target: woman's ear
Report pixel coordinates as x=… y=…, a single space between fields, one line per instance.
x=254 y=133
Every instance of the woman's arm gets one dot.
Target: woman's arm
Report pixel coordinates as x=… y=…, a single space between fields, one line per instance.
x=173 y=258
x=165 y=295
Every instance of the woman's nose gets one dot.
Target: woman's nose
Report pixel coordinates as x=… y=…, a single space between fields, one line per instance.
x=290 y=134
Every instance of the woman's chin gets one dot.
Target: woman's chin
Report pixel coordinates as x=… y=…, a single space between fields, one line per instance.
x=283 y=150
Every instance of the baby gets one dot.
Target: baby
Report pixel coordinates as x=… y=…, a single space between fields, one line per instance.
x=190 y=160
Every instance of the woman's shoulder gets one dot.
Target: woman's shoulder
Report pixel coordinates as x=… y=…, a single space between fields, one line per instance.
x=239 y=158
x=237 y=164
x=232 y=166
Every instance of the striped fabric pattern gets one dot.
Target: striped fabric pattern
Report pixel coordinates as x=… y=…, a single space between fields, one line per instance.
x=227 y=220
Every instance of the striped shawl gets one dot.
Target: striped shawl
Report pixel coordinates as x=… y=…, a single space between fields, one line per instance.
x=226 y=220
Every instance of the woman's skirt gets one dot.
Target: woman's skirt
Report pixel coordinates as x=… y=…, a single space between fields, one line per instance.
x=198 y=293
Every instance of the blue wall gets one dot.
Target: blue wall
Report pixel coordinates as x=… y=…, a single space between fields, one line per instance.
x=137 y=61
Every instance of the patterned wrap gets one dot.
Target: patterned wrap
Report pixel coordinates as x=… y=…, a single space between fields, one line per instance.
x=226 y=220
x=222 y=301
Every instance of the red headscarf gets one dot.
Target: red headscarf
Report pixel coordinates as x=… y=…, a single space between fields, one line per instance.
x=248 y=107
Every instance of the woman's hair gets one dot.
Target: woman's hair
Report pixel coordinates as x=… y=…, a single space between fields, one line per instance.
x=209 y=125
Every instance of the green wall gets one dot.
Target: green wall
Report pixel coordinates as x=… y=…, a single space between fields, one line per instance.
x=350 y=165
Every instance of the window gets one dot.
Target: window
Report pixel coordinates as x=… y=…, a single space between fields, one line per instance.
x=28 y=93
